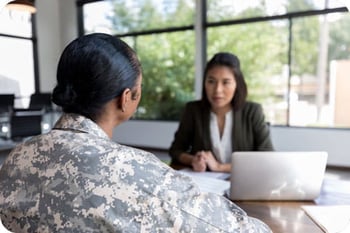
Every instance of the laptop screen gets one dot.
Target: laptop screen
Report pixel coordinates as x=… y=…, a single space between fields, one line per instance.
x=277 y=175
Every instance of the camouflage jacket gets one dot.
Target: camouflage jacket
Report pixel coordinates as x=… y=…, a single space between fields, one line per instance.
x=75 y=179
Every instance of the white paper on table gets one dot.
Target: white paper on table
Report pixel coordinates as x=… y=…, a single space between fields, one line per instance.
x=213 y=182
x=331 y=218
x=215 y=175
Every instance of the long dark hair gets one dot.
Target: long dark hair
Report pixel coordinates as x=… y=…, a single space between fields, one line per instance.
x=92 y=70
x=231 y=61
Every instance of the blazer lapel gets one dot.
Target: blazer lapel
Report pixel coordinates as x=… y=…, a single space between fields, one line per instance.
x=206 y=129
x=236 y=130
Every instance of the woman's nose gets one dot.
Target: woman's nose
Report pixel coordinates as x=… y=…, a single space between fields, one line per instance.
x=218 y=87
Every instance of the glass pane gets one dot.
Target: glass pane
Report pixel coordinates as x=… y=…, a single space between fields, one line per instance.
x=262 y=49
x=17 y=53
x=320 y=71
x=168 y=73
x=124 y=16
x=96 y=17
x=337 y=3
x=16 y=23
x=219 y=10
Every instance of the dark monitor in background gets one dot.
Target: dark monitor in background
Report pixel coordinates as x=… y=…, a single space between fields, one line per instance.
x=7 y=102
x=25 y=123
x=41 y=101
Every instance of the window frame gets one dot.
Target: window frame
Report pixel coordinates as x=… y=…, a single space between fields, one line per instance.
x=34 y=41
x=200 y=27
x=290 y=17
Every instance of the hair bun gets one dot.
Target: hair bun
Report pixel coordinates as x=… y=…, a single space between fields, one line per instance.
x=64 y=96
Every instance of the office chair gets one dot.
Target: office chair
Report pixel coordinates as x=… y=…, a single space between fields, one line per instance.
x=25 y=123
x=6 y=106
x=7 y=102
x=41 y=101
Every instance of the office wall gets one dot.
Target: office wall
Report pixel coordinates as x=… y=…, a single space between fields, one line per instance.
x=57 y=26
x=160 y=135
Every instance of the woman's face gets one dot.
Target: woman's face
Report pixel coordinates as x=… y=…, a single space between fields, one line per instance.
x=220 y=86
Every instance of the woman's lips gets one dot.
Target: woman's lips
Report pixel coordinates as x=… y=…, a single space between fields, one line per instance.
x=216 y=98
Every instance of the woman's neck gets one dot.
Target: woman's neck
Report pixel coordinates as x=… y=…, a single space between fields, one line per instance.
x=221 y=111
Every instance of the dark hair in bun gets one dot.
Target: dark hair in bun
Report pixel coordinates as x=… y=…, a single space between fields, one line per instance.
x=94 y=69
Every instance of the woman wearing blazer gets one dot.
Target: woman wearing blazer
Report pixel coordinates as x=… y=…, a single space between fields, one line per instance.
x=221 y=122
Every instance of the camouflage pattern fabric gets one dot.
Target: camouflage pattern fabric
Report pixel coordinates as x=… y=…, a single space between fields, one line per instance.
x=75 y=179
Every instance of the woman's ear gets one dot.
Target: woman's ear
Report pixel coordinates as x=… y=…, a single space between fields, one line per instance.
x=124 y=99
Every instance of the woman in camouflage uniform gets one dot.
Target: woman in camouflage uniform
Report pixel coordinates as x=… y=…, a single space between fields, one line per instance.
x=76 y=179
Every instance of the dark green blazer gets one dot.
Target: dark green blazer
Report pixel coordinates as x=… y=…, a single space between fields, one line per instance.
x=250 y=131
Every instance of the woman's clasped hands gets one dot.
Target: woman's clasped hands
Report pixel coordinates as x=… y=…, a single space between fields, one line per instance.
x=203 y=160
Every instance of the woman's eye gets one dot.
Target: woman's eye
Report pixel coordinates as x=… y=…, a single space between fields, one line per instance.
x=228 y=82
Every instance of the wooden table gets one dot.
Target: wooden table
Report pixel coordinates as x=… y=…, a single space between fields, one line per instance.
x=282 y=217
x=288 y=217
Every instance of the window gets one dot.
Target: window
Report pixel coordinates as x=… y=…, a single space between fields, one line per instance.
x=162 y=34
x=263 y=61
x=294 y=54
x=219 y=11
x=17 y=50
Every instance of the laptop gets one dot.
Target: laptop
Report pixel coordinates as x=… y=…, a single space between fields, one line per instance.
x=276 y=175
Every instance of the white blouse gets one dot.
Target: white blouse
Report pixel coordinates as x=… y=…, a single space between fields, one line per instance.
x=222 y=147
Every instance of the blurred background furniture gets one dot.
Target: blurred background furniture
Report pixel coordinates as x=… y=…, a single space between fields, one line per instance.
x=25 y=123
x=6 y=102
x=6 y=106
x=41 y=101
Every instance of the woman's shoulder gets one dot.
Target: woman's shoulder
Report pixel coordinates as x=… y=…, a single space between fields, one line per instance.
x=251 y=105
x=194 y=107
x=132 y=153
x=252 y=108
x=194 y=103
